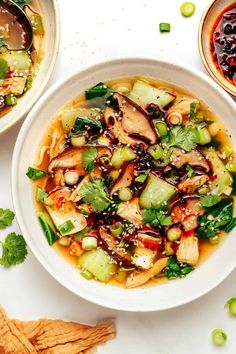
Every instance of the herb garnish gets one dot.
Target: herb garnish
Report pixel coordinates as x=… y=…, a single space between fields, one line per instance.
x=95 y=193
x=175 y=269
x=6 y=218
x=157 y=216
x=14 y=250
x=88 y=158
x=34 y=173
x=185 y=138
x=209 y=200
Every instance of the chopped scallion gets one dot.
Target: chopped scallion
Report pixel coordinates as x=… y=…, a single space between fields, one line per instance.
x=218 y=336
x=164 y=27
x=187 y=9
x=231 y=303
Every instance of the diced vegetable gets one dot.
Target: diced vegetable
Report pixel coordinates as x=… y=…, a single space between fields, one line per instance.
x=89 y=243
x=98 y=95
x=164 y=27
x=86 y=274
x=48 y=227
x=204 y=136
x=231 y=166
x=162 y=129
x=11 y=100
x=143 y=93
x=125 y=194
x=71 y=178
x=66 y=227
x=174 y=233
x=223 y=178
x=156 y=192
x=99 y=263
x=34 y=173
x=68 y=116
x=156 y=151
x=64 y=241
x=19 y=61
x=78 y=141
x=218 y=336
x=121 y=155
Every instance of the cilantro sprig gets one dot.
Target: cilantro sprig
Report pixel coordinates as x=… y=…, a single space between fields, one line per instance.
x=88 y=158
x=155 y=217
x=185 y=138
x=6 y=218
x=14 y=250
x=95 y=193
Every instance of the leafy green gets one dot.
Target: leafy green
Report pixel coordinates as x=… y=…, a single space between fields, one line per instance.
x=6 y=218
x=34 y=173
x=14 y=250
x=81 y=234
x=185 y=138
x=190 y=171
x=82 y=123
x=142 y=178
x=3 y=69
x=193 y=106
x=88 y=158
x=22 y=3
x=217 y=218
x=95 y=193
x=214 y=143
x=156 y=217
x=209 y=200
x=41 y=195
x=176 y=269
x=98 y=94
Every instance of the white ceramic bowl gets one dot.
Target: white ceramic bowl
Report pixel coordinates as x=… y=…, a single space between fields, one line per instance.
x=52 y=32
x=160 y=297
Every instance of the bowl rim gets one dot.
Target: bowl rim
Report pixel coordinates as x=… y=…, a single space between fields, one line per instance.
x=47 y=77
x=222 y=83
x=16 y=201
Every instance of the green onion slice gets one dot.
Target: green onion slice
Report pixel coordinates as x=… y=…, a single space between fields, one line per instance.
x=231 y=303
x=218 y=336
x=164 y=27
x=187 y=9
x=117 y=228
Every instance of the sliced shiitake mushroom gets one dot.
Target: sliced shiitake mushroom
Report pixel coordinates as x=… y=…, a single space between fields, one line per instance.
x=125 y=179
x=194 y=158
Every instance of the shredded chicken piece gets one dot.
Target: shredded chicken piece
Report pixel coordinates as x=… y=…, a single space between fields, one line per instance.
x=51 y=336
x=188 y=251
x=190 y=185
x=59 y=178
x=138 y=278
x=131 y=211
x=183 y=106
x=14 y=85
x=43 y=150
x=58 y=141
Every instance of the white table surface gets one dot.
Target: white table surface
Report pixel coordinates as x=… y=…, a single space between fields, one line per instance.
x=94 y=31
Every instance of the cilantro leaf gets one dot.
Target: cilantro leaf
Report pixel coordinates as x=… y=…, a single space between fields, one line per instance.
x=185 y=138
x=176 y=269
x=156 y=217
x=41 y=194
x=34 y=173
x=190 y=171
x=95 y=193
x=209 y=200
x=217 y=218
x=6 y=218
x=142 y=178
x=14 y=250
x=88 y=158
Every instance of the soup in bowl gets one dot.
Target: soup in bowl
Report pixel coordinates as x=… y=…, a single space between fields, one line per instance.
x=133 y=183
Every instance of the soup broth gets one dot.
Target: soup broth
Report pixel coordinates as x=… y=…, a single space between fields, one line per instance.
x=137 y=202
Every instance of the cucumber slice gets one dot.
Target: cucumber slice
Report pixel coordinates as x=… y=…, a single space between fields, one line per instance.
x=156 y=192
x=143 y=93
x=48 y=227
x=19 y=61
x=223 y=180
x=68 y=116
x=98 y=262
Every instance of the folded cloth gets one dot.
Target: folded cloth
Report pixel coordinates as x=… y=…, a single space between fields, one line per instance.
x=51 y=336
